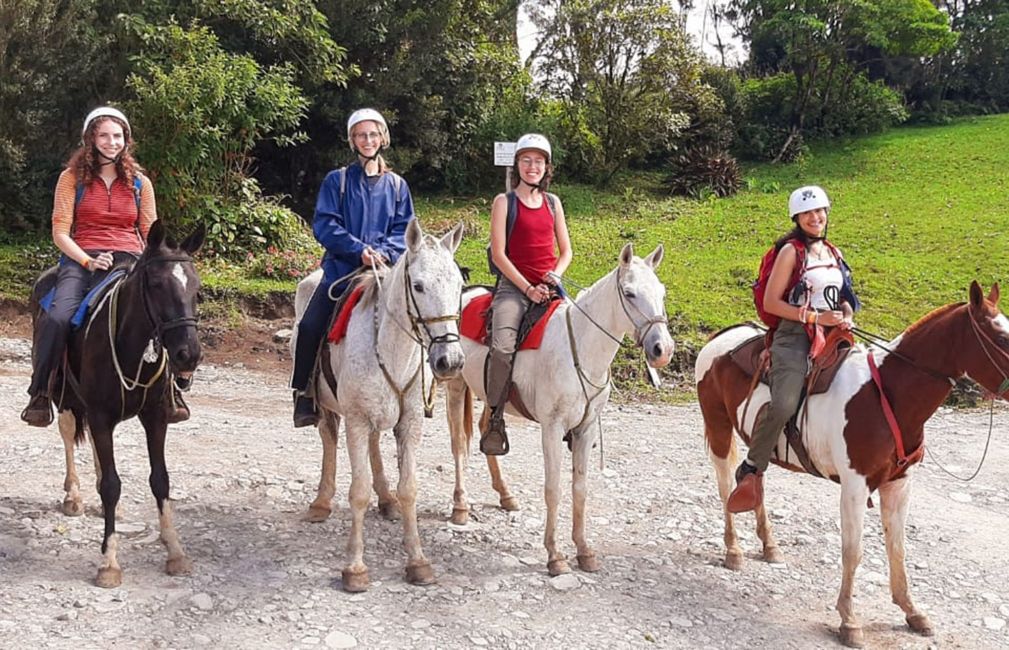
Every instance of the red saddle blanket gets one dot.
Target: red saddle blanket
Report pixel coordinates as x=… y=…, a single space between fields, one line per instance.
x=474 y=322
x=339 y=329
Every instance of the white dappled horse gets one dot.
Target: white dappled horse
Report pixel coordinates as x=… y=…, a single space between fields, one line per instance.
x=379 y=375
x=565 y=384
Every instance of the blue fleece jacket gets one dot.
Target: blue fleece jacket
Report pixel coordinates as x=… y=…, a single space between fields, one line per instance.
x=367 y=216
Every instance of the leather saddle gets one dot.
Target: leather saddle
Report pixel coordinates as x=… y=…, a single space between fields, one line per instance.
x=751 y=357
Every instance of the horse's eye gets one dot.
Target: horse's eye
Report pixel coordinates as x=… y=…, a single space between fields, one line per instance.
x=630 y=294
x=418 y=287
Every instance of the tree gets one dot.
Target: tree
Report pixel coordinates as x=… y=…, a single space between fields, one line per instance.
x=628 y=79
x=819 y=41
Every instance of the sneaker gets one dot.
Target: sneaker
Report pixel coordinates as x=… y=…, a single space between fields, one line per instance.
x=180 y=412
x=494 y=441
x=39 y=412
x=305 y=414
x=749 y=492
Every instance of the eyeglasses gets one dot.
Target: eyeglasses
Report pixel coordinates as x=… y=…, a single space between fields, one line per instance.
x=532 y=162
x=370 y=135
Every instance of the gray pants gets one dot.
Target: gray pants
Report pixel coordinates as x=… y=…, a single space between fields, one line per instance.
x=508 y=308
x=789 y=363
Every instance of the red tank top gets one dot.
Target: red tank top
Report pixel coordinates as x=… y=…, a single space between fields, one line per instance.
x=532 y=245
x=107 y=218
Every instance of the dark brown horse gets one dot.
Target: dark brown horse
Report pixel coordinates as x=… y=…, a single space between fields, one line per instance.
x=848 y=435
x=120 y=365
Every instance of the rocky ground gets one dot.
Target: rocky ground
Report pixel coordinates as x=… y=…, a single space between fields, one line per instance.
x=242 y=479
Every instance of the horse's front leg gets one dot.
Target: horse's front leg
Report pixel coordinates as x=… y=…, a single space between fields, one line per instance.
x=156 y=426
x=388 y=503
x=408 y=434
x=459 y=407
x=581 y=447
x=853 y=498
x=109 y=487
x=329 y=431
x=552 y=443
x=894 y=498
x=355 y=574
x=73 y=505
x=505 y=498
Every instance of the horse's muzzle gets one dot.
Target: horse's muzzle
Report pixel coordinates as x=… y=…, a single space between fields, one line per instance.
x=659 y=347
x=447 y=360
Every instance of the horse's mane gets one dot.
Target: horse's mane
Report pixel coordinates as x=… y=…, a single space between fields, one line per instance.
x=932 y=316
x=367 y=281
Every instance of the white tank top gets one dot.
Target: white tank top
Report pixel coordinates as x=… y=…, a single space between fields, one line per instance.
x=819 y=275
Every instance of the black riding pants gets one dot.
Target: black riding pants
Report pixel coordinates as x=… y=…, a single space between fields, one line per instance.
x=73 y=282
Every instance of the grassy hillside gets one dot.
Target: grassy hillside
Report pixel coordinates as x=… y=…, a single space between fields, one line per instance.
x=919 y=213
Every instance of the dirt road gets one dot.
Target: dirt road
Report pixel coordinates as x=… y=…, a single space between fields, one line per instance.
x=242 y=479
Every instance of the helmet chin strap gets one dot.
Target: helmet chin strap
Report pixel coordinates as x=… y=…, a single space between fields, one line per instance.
x=368 y=159
x=535 y=186
x=106 y=160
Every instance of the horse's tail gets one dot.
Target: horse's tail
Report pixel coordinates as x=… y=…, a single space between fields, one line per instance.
x=468 y=415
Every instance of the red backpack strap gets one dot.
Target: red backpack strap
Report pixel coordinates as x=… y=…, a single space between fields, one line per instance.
x=800 y=262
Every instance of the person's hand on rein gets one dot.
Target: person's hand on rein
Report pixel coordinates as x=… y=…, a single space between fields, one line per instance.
x=538 y=293
x=831 y=318
x=102 y=262
x=370 y=257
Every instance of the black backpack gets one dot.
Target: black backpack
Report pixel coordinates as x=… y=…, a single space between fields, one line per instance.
x=512 y=215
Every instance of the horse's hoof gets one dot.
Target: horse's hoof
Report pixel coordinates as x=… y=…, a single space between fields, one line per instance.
x=734 y=560
x=460 y=516
x=774 y=555
x=420 y=574
x=510 y=504
x=317 y=514
x=852 y=636
x=355 y=581
x=179 y=566
x=558 y=567
x=109 y=577
x=919 y=623
x=73 y=507
x=390 y=510
x=588 y=563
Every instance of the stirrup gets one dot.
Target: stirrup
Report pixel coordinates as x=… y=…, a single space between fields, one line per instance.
x=39 y=412
x=494 y=441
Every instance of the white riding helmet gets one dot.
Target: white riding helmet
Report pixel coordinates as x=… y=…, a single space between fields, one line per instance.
x=365 y=115
x=104 y=111
x=533 y=141
x=809 y=197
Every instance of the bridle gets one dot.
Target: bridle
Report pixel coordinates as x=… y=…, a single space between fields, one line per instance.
x=419 y=327
x=162 y=326
x=641 y=329
x=986 y=342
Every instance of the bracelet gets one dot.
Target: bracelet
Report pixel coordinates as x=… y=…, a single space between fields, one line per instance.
x=802 y=314
x=816 y=317
x=86 y=263
x=526 y=292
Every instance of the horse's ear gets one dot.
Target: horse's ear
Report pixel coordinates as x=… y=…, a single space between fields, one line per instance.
x=194 y=242
x=414 y=236
x=993 y=294
x=453 y=238
x=655 y=257
x=626 y=254
x=976 y=295
x=156 y=235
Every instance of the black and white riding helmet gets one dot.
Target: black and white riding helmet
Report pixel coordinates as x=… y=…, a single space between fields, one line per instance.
x=806 y=198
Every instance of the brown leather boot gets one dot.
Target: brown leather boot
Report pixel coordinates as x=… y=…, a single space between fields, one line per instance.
x=494 y=441
x=749 y=492
x=39 y=412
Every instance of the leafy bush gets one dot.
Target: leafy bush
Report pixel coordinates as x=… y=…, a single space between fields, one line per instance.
x=289 y=264
x=705 y=171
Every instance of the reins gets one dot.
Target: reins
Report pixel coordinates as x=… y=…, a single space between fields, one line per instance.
x=417 y=323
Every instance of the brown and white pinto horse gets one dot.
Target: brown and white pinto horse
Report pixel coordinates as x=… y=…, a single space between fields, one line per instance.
x=848 y=437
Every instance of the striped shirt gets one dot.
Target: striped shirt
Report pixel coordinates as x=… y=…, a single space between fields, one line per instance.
x=107 y=216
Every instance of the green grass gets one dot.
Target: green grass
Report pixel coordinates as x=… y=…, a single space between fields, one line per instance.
x=918 y=211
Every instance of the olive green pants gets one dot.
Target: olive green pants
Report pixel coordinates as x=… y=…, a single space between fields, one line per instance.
x=789 y=364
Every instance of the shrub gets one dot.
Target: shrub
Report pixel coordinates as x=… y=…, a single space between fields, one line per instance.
x=704 y=171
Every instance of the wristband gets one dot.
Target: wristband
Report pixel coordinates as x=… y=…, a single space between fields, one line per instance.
x=526 y=291
x=86 y=263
